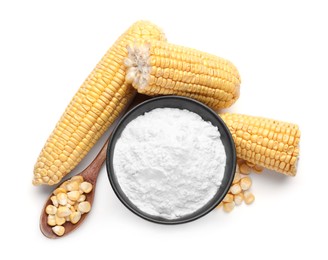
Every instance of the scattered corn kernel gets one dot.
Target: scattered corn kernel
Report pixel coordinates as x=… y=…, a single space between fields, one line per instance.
x=228 y=198
x=86 y=187
x=248 y=197
x=62 y=198
x=58 y=230
x=63 y=211
x=84 y=207
x=50 y=209
x=75 y=217
x=51 y=220
x=220 y=205
x=236 y=178
x=229 y=206
x=238 y=198
x=235 y=189
x=258 y=169
x=245 y=183
x=245 y=169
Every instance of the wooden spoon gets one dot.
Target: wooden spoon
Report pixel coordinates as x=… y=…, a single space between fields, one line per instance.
x=89 y=174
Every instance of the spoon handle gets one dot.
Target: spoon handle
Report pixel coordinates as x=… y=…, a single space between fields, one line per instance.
x=90 y=173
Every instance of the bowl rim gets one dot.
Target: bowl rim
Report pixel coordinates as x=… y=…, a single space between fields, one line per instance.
x=156 y=219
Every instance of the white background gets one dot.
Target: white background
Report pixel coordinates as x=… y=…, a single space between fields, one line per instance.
x=48 y=48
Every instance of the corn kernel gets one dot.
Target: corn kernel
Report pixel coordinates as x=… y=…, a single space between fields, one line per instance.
x=84 y=207
x=244 y=169
x=59 y=190
x=75 y=217
x=72 y=186
x=236 y=178
x=63 y=185
x=70 y=202
x=50 y=209
x=59 y=220
x=258 y=169
x=58 y=230
x=51 y=220
x=229 y=206
x=54 y=201
x=77 y=178
x=245 y=183
x=235 y=189
x=63 y=211
x=62 y=198
x=81 y=198
x=238 y=198
x=248 y=197
x=86 y=187
x=220 y=205
x=228 y=198
x=73 y=195
x=251 y=165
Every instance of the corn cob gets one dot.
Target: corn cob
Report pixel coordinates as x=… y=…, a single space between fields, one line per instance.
x=160 y=68
x=269 y=143
x=97 y=103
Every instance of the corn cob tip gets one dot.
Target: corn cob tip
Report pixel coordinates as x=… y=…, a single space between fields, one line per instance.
x=138 y=65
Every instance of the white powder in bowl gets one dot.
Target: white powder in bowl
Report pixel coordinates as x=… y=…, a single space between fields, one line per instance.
x=169 y=162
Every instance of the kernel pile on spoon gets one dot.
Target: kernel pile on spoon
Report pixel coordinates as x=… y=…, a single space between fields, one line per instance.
x=68 y=204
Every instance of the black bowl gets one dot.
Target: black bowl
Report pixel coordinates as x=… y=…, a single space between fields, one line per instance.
x=207 y=114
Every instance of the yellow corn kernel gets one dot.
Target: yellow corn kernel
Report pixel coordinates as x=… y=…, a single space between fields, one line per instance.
x=77 y=178
x=236 y=179
x=59 y=220
x=238 y=198
x=73 y=196
x=59 y=190
x=228 y=198
x=75 y=217
x=235 y=189
x=245 y=169
x=50 y=209
x=51 y=220
x=63 y=211
x=58 y=230
x=248 y=197
x=84 y=207
x=245 y=183
x=228 y=206
x=86 y=187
